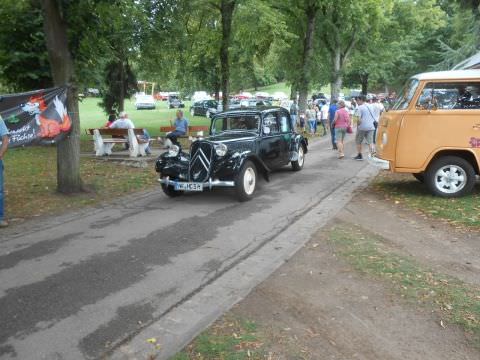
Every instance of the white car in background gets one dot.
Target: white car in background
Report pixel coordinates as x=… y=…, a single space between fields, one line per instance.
x=200 y=96
x=144 y=102
x=279 y=96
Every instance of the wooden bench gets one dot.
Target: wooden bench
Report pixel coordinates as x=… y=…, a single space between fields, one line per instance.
x=104 y=139
x=197 y=130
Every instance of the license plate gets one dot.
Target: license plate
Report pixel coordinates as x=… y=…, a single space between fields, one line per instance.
x=189 y=186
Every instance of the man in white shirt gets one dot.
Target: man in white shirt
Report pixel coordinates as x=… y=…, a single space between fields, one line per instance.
x=366 y=126
x=123 y=122
x=377 y=109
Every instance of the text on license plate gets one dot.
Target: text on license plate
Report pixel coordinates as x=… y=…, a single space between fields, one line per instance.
x=189 y=186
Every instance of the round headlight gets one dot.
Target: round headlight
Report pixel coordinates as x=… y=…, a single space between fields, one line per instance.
x=384 y=139
x=221 y=149
x=173 y=150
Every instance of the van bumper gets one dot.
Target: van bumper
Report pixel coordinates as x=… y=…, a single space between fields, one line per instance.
x=380 y=163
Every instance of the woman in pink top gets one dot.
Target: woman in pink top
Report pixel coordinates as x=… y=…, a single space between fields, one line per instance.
x=341 y=122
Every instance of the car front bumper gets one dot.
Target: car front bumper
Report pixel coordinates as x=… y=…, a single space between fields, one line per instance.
x=380 y=163
x=207 y=184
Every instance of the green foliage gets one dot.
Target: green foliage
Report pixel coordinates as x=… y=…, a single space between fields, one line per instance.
x=23 y=55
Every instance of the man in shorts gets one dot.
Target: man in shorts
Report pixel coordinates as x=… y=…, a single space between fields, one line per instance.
x=366 y=127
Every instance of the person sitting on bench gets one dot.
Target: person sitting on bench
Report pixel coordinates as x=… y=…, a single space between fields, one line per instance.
x=123 y=122
x=181 y=128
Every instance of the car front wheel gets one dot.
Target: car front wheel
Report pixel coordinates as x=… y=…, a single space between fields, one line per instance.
x=246 y=182
x=297 y=165
x=450 y=176
x=170 y=191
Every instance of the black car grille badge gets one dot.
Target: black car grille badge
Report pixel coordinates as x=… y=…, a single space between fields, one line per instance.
x=200 y=162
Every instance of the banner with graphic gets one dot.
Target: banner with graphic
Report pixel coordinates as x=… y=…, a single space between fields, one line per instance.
x=36 y=117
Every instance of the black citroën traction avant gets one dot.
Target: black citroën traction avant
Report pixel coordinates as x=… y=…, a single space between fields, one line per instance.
x=242 y=144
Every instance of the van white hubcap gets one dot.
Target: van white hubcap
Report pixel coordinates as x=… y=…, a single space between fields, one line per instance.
x=450 y=179
x=249 y=181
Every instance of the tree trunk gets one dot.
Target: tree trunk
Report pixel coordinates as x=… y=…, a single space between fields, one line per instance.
x=293 y=91
x=304 y=81
x=337 y=79
x=122 y=86
x=61 y=64
x=226 y=11
x=364 y=80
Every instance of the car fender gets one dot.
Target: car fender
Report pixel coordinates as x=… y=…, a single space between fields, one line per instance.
x=297 y=140
x=241 y=158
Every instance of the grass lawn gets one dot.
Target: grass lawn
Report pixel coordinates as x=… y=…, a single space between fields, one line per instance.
x=405 y=190
x=453 y=300
x=228 y=338
x=30 y=182
x=92 y=116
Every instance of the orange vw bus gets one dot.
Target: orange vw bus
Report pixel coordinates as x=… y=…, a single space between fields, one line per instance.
x=433 y=131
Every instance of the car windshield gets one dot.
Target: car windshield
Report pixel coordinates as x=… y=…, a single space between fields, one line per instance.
x=235 y=123
x=406 y=95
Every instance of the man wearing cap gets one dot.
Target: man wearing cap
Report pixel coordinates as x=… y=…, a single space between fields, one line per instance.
x=3 y=150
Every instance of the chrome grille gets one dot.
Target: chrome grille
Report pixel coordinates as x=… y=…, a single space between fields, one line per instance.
x=201 y=154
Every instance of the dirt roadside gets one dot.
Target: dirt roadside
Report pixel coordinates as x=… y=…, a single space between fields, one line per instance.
x=318 y=306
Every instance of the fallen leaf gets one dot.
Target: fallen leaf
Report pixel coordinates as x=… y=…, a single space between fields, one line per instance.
x=152 y=341
x=442 y=324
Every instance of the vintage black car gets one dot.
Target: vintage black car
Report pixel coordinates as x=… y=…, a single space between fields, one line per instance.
x=206 y=108
x=242 y=144
x=175 y=102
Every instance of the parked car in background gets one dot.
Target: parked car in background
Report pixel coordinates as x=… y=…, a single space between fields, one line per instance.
x=279 y=96
x=144 y=102
x=175 y=102
x=206 y=108
x=243 y=145
x=162 y=96
x=200 y=96
x=251 y=103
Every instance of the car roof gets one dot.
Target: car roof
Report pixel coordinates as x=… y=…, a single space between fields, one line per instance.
x=448 y=75
x=252 y=110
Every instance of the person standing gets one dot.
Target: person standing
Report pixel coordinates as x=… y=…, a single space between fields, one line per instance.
x=293 y=114
x=365 y=128
x=3 y=150
x=331 y=116
x=377 y=109
x=319 y=118
x=341 y=122
x=311 y=118
x=181 y=128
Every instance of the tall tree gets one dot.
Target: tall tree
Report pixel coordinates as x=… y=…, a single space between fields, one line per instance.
x=62 y=68
x=227 y=7
x=298 y=55
x=343 y=26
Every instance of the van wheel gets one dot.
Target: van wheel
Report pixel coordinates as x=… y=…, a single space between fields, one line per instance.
x=297 y=165
x=246 y=181
x=450 y=176
x=420 y=177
